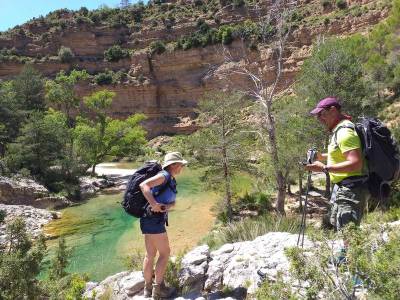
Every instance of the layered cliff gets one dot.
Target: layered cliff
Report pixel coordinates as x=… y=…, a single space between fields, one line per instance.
x=167 y=86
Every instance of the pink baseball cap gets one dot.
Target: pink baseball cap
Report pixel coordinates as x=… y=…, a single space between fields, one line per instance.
x=325 y=103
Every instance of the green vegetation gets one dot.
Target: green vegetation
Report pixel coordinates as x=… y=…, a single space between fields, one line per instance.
x=115 y=53
x=341 y=4
x=21 y=260
x=221 y=143
x=249 y=229
x=48 y=144
x=65 y=54
x=102 y=136
x=157 y=47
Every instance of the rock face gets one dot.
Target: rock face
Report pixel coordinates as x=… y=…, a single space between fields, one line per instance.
x=23 y=191
x=91 y=185
x=173 y=82
x=233 y=266
x=34 y=218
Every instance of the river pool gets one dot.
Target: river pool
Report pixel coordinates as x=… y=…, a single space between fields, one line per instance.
x=101 y=235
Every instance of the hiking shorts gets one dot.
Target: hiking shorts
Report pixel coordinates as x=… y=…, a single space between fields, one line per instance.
x=348 y=205
x=154 y=224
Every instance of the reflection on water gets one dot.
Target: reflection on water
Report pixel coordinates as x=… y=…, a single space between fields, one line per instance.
x=102 y=235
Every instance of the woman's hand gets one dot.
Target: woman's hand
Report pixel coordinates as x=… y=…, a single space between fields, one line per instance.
x=157 y=207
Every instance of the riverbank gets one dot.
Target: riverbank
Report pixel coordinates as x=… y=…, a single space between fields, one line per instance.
x=102 y=236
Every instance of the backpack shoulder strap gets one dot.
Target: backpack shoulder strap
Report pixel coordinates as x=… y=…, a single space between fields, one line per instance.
x=350 y=126
x=168 y=179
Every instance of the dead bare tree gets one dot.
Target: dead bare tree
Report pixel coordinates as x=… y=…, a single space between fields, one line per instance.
x=263 y=81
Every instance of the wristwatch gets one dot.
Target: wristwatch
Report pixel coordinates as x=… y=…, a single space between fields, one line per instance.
x=325 y=169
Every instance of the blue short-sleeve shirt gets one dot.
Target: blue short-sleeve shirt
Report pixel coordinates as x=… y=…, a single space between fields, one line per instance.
x=168 y=195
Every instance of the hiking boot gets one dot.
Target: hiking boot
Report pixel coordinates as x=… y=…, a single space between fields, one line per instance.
x=161 y=291
x=148 y=289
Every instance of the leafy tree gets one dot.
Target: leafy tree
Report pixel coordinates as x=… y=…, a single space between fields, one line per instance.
x=60 y=92
x=20 y=261
x=11 y=115
x=40 y=145
x=335 y=69
x=220 y=144
x=296 y=133
x=104 y=136
x=29 y=89
x=60 y=261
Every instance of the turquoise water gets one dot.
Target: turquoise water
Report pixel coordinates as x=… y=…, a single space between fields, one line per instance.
x=95 y=232
x=101 y=235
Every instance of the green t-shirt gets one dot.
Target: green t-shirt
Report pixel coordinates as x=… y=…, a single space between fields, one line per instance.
x=347 y=139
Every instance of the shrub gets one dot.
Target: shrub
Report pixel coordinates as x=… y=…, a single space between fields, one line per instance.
x=65 y=54
x=225 y=34
x=238 y=3
x=255 y=201
x=115 y=53
x=83 y=20
x=371 y=258
x=326 y=3
x=341 y=4
x=172 y=272
x=326 y=21
x=157 y=47
x=103 y=78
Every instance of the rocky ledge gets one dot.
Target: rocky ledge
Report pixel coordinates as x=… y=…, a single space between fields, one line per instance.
x=205 y=273
x=24 y=191
x=35 y=218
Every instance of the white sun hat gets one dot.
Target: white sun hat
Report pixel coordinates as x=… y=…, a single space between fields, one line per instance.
x=173 y=157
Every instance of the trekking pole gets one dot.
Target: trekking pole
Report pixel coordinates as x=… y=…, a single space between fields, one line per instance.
x=304 y=213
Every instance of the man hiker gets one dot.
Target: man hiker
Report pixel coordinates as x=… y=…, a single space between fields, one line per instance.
x=344 y=164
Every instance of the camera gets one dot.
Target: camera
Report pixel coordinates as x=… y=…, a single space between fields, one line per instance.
x=311 y=156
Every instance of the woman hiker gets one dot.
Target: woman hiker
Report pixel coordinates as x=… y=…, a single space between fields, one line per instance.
x=160 y=192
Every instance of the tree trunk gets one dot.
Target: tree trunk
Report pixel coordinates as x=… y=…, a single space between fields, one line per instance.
x=280 y=199
x=94 y=169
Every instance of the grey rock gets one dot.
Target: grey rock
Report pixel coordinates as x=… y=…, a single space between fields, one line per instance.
x=20 y=191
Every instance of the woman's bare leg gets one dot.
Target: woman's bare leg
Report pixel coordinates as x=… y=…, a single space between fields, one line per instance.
x=148 y=261
x=161 y=243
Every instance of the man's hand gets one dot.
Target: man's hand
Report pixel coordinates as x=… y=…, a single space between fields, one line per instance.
x=317 y=166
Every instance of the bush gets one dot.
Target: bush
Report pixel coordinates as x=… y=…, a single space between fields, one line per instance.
x=225 y=34
x=326 y=3
x=115 y=53
x=256 y=201
x=157 y=47
x=65 y=54
x=238 y=3
x=372 y=258
x=103 y=78
x=341 y=4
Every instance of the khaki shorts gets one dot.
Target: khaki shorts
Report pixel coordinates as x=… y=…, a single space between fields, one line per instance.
x=348 y=205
